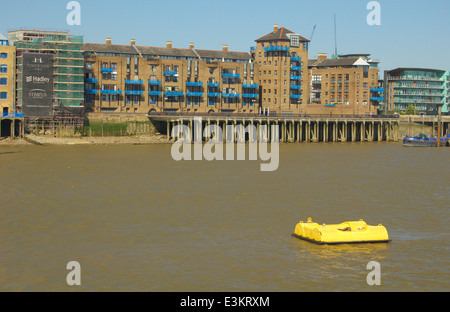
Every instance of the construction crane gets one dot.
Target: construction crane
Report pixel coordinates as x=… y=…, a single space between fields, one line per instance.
x=312 y=34
x=335 y=35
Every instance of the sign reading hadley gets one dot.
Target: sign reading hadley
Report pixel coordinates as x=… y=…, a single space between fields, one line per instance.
x=37 y=85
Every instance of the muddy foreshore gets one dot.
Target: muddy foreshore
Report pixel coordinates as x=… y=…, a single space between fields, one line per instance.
x=50 y=140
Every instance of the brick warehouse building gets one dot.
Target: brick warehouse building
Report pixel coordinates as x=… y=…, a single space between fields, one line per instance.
x=137 y=79
x=276 y=77
x=282 y=60
x=7 y=76
x=344 y=84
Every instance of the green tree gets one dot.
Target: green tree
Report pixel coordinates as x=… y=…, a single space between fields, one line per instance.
x=411 y=110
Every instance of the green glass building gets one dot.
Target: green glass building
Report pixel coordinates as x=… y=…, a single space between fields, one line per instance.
x=424 y=89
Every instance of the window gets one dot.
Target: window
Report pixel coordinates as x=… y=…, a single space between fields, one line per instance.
x=3 y=95
x=4 y=55
x=3 y=69
x=295 y=41
x=3 y=81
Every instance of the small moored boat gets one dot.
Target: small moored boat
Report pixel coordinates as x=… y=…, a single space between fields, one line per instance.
x=345 y=233
x=423 y=141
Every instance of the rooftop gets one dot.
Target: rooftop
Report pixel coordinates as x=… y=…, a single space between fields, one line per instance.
x=280 y=34
x=403 y=69
x=159 y=51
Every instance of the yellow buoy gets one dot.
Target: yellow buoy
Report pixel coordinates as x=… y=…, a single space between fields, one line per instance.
x=344 y=233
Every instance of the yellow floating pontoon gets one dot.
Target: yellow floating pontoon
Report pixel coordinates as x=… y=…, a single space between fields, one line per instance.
x=344 y=233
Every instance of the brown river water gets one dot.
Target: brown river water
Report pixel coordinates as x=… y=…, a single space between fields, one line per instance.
x=136 y=220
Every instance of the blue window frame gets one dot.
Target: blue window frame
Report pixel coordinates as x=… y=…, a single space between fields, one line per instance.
x=3 y=69
x=3 y=81
x=4 y=55
x=3 y=95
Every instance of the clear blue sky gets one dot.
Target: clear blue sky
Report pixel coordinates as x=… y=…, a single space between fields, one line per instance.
x=413 y=33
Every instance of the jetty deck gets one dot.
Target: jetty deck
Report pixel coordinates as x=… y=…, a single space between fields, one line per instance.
x=293 y=129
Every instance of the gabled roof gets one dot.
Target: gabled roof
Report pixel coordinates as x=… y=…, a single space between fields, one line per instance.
x=104 y=48
x=338 y=62
x=312 y=62
x=217 y=54
x=158 y=51
x=280 y=35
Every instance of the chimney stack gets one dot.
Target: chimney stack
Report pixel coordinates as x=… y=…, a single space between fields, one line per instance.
x=275 y=27
x=133 y=42
x=169 y=44
x=321 y=57
x=225 y=48
x=108 y=41
x=191 y=45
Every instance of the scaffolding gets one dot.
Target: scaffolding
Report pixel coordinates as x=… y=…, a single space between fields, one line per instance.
x=66 y=121
x=68 y=74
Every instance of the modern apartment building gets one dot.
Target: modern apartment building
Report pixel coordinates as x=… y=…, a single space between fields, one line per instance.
x=142 y=79
x=281 y=57
x=68 y=61
x=348 y=83
x=424 y=89
x=7 y=76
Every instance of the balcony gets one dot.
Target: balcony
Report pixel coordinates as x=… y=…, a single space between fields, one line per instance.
x=154 y=83
x=173 y=93
x=91 y=91
x=194 y=93
x=134 y=82
x=250 y=86
x=12 y=115
x=296 y=77
x=296 y=59
x=227 y=75
x=154 y=93
x=134 y=92
x=295 y=96
x=213 y=84
x=230 y=95
x=194 y=84
x=377 y=99
x=213 y=94
x=296 y=68
x=250 y=95
x=415 y=78
x=376 y=89
x=276 y=49
x=296 y=87
x=170 y=73
x=90 y=80
x=107 y=70
x=111 y=92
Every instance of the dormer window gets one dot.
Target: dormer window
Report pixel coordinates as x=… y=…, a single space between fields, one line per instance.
x=295 y=41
